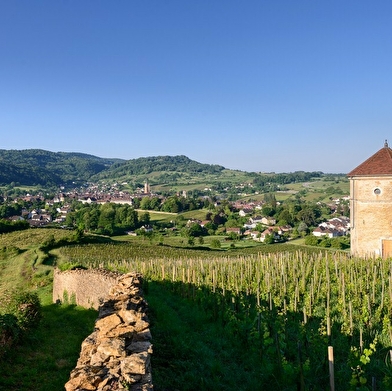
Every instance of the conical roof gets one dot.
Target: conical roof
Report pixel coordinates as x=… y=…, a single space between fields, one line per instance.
x=378 y=164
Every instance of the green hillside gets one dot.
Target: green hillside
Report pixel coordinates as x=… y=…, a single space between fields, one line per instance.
x=38 y=167
x=160 y=170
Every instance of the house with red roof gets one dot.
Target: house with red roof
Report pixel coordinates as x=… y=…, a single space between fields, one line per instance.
x=371 y=205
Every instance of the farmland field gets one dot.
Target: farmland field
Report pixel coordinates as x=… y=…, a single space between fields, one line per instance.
x=285 y=308
x=253 y=318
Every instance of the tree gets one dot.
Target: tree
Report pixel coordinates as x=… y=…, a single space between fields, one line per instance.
x=144 y=218
x=219 y=219
x=106 y=218
x=270 y=199
x=180 y=221
x=233 y=236
x=191 y=241
x=231 y=223
x=172 y=204
x=312 y=240
x=309 y=215
x=267 y=210
x=302 y=228
x=196 y=229
x=145 y=203
x=269 y=239
x=285 y=217
x=210 y=227
x=215 y=243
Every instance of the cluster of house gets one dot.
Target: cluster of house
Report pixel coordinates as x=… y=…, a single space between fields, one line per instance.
x=249 y=228
x=337 y=226
x=41 y=217
x=276 y=231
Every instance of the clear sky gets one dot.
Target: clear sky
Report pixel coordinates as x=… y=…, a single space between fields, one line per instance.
x=254 y=85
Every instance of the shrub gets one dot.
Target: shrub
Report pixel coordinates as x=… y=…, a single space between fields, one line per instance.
x=312 y=240
x=25 y=307
x=215 y=243
x=9 y=332
x=19 y=311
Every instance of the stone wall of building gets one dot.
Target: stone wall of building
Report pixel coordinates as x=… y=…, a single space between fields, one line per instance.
x=86 y=288
x=116 y=356
x=370 y=215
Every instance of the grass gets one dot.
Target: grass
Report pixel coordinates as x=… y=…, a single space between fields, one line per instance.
x=44 y=359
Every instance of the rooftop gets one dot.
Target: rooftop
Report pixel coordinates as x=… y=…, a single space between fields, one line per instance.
x=378 y=164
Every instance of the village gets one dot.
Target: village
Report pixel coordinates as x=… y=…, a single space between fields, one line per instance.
x=250 y=221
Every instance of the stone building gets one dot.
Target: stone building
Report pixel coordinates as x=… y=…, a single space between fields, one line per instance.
x=371 y=205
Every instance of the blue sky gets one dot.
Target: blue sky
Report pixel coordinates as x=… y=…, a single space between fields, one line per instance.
x=277 y=85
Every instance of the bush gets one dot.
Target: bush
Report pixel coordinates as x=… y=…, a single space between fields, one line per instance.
x=19 y=312
x=9 y=332
x=24 y=306
x=312 y=240
x=215 y=243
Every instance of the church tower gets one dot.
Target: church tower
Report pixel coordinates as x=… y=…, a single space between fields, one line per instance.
x=147 y=189
x=371 y=205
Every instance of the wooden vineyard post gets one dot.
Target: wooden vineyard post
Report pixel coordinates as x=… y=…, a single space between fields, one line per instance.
x=331 y=368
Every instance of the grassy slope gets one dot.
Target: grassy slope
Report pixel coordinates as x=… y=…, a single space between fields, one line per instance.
x=45 y=357
x=188 y=346
x=43 y=361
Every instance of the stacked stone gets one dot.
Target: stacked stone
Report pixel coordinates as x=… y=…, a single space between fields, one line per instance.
x=116 y=356
x=87 y=288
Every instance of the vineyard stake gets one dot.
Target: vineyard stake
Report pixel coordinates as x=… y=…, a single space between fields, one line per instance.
x=331 y=368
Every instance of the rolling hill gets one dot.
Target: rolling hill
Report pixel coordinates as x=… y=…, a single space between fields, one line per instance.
x=39 y=167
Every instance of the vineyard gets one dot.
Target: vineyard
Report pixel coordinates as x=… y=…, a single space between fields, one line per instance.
x=298 y=320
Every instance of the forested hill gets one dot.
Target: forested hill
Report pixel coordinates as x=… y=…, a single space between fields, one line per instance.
x=45 y=168
x=158 y=164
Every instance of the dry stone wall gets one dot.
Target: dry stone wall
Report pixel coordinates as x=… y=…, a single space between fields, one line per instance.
x=116 y=356
x=86 y=288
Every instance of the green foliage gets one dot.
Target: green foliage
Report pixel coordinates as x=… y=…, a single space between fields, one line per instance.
x=167 y=164
x=9 y=226
x=271 y=182
x=358 y=361
x=43 y=359
x=105 y=219
x=25 y=306
x=9 y=332
x=269 y=239
x=35 y=166
x=19 y=313
x=196 y=230
x=311 y=240
x=215 y=243
x=340 y=242
x=302 y=228
x=8 y=209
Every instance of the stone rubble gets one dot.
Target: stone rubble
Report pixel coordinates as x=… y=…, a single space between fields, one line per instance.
x=116 y=356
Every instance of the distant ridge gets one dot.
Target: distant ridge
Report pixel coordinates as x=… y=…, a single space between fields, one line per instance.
x=39 y=167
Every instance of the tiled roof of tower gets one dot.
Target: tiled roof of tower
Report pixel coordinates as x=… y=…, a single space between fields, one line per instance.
x=378 y=164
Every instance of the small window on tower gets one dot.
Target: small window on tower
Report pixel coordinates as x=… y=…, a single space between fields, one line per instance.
x=377 y=191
